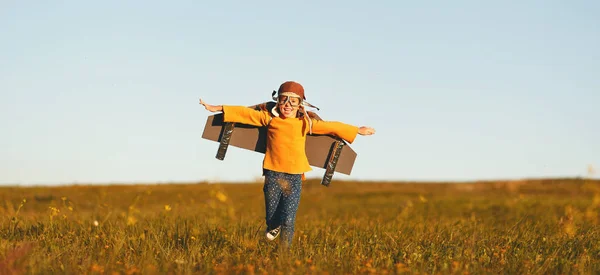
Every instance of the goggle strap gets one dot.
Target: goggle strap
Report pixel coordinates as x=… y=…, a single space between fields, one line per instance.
x=310 y=105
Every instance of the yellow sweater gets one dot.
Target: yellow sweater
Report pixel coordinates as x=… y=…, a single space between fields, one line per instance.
x=286 y=137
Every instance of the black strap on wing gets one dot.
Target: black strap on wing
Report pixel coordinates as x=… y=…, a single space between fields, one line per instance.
x=225 y=139
x=336 y=150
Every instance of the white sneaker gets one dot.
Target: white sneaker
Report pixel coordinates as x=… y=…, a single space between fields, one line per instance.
x=274 y=233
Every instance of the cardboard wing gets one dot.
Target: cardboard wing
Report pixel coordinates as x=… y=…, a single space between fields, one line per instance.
x=323 y=151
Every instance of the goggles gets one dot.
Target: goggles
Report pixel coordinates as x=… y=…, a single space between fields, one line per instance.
x=294 y=101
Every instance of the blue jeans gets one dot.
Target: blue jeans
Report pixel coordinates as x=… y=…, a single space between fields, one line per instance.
x=282 y=197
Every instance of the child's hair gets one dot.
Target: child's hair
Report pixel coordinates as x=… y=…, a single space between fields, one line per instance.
x=309 y=115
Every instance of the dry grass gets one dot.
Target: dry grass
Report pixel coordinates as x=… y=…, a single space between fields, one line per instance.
x=515 y=227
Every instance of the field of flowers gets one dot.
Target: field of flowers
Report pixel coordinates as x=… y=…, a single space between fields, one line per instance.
x=515 y=227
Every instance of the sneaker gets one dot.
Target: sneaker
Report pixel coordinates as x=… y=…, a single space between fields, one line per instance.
x=274 y=233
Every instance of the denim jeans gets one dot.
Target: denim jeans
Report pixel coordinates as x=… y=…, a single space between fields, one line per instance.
x=282 y=197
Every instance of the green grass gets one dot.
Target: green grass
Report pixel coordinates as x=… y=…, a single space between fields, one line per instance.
x=521 y=227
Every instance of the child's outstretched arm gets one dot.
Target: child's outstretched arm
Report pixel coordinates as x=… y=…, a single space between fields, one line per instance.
x=344 y=131
x=240 y=114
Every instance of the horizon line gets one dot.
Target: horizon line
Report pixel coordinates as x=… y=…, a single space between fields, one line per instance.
x=312 y=179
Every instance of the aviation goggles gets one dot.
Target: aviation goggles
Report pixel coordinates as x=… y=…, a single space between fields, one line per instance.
x=294 y=101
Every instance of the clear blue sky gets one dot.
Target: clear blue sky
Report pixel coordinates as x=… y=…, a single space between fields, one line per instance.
x=107 y=91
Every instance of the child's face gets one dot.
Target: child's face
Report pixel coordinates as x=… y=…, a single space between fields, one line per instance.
x=288 y=105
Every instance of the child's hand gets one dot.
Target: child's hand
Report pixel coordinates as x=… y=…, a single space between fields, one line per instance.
x=210 y=108
x=366 y=131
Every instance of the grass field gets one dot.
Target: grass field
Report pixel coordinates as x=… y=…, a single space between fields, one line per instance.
x=514 y=227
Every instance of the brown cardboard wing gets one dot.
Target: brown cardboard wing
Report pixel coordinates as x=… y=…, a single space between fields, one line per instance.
x=318 y=147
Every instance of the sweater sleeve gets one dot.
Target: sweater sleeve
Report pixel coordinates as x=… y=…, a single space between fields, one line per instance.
x=344 y=131
x=245 y=115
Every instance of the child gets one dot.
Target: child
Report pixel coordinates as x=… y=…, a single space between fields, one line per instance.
x=285 y=160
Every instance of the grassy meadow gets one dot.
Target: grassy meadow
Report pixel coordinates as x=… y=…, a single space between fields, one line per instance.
x=513 y=227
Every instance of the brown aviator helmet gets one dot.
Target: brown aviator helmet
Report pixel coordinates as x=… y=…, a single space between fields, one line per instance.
x=292 y=88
